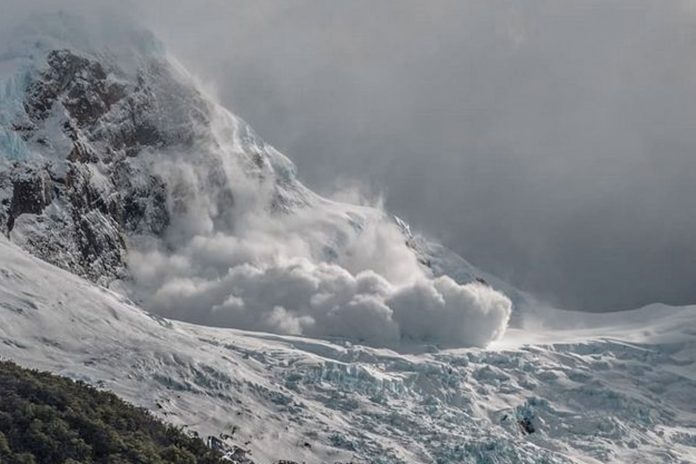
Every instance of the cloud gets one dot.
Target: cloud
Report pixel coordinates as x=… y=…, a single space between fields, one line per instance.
x=301 y=297
x=549 y=143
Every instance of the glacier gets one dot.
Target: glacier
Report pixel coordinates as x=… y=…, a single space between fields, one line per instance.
x=609 y=388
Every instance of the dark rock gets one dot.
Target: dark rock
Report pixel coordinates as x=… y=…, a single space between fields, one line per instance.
x=526 y=425
x=30 y=196
x=143 y=205
x=31 y=193
x=100 y=191
x=79 y=83
x=82 y=153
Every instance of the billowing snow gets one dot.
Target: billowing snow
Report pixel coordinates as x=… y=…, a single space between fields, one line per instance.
x=247 y=245
x=611 y=388
x=305 y=266
x=318 y=267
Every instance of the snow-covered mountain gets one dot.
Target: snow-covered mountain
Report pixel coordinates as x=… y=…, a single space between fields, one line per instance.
x=117 y=167
x=143 y=202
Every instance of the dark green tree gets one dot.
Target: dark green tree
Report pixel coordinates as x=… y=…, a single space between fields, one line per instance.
x=50 y=419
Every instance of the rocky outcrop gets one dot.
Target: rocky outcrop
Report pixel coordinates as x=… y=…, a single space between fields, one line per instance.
x=31 y=193
x=61 y=219
x=75 y=207
x=80 y=84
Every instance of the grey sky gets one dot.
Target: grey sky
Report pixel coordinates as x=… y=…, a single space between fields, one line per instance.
x=551 y=143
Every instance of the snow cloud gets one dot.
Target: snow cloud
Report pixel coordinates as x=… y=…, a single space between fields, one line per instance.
x=320 y=299
x=321 y=268
x=250 y=247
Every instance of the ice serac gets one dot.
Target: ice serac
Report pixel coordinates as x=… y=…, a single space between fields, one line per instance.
x=119 y=168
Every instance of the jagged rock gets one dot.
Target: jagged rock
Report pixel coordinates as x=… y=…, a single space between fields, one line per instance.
x=143 y=200
x=75 y=210
x=82 y=153
x=526 y=425
x=80 y=84
x=31 y=193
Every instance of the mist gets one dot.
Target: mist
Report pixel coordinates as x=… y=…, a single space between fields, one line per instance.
x=551 y=144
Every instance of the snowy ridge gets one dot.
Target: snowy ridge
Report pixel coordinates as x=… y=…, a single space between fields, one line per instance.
x=622 y=393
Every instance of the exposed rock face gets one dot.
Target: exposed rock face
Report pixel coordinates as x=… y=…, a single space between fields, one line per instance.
x=100 y=106
x=79 y=83
x=30 y=194
x=75 y=207
x=93 y=133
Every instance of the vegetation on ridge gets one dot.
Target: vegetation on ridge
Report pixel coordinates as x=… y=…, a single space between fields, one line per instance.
x=45 y=418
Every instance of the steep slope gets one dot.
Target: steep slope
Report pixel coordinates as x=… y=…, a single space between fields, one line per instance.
x=619 y=388
x=119 y=168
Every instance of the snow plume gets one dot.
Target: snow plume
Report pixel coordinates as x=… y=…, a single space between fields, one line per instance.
x=322 y=299
x=248 y=246
x=311 y=266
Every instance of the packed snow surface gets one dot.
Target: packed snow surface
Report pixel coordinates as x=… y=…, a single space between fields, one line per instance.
x=586 y=388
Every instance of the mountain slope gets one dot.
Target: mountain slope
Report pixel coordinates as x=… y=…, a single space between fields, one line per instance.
x=618 y=391
x=119 y=168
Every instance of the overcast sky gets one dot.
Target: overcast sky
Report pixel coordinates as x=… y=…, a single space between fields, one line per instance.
x=550 y=143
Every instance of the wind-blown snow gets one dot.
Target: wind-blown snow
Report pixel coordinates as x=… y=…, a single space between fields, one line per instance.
x=326 y=269
x=248 y=245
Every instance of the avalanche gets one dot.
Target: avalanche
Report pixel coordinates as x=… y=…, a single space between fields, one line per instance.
x=612 y=388
x=133 y=206
x=137 y=179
